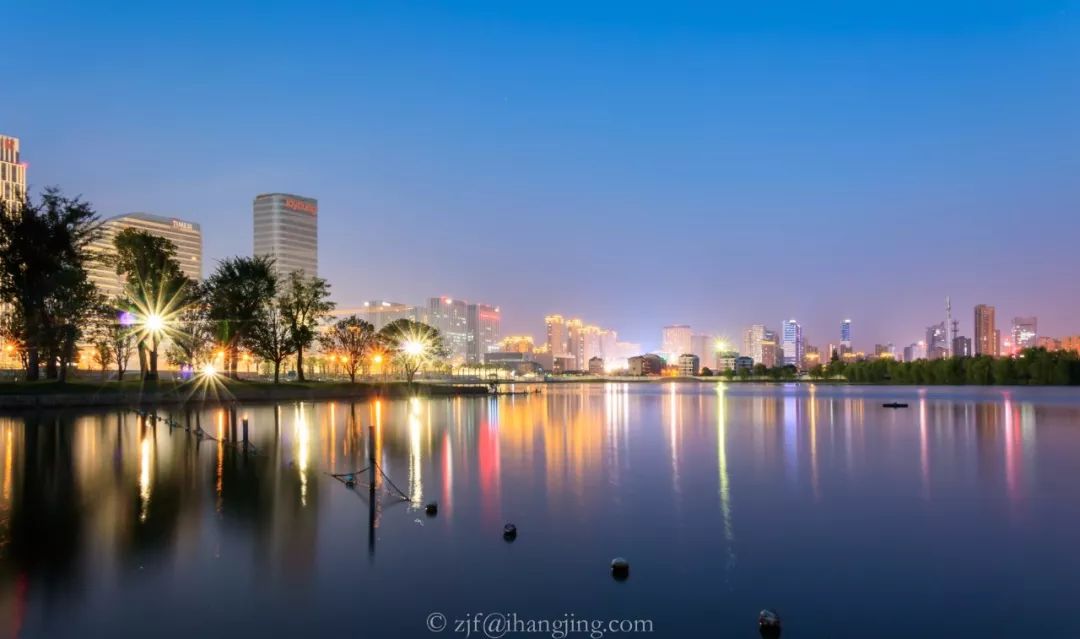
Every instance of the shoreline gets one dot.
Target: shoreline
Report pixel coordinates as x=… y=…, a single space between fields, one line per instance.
x=80 y=394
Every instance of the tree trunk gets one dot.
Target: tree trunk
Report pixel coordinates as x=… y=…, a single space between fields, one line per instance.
x=352 y=374
x=234 y=360
x=300 y=363
x=33 y=364
x=142 y=359
x=152 y=357
x=277 y=370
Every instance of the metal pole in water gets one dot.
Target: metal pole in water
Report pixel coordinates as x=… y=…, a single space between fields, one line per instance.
x=245 y=430
x=371 y=490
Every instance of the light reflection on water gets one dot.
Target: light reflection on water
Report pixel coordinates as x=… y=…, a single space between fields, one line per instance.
x=727 y=498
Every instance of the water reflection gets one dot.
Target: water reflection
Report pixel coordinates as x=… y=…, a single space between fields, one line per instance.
x=119 y=501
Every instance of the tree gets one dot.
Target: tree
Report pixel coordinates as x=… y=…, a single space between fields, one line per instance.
x=237 y=293
x=303 y=304
x=413 y=345
x=193 y=344
x=271 y=337
x=43 y=254
x=155 y=288
x=112 y=333
x=71 y=309
x=350 y=338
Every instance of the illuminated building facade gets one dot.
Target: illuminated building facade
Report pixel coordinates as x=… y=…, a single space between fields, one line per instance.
x=792 y=344
x=556 y=335
x=451 y=317
x=675 y=340
x=517 y=344
x=287 y=230
x=185 y=236
x=378 y=313
x=986 y=339
x=1025 y=333
x=1071 y=343
x=12 y=172
x=937 y=341
x=961 y=346
x=845 y=337
x=752 y=342
x=484 y=326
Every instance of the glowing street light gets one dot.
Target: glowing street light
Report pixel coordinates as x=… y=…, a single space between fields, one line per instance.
x=413 y=348
x=208 y=370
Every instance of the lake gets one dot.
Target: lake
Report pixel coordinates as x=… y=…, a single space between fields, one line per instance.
x=956 y=516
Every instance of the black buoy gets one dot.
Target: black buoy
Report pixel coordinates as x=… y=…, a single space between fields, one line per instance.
x=431 y=509
x=620 y=568
x=509 y=532
x=768 y=623
x=350 y=481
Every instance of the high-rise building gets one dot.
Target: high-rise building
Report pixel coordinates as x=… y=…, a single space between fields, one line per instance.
x=915 y=351
x=752 y=340
x=937 y=341
x=379 y=313
x=575 y=343
x=287 y=229
x=12 y=172
x=451 y=317
x=484 y=325
x=792 y=343
x=985 y=331
x=1071 y=343
x=185 y=236
x=704 y=346
x=771 y=355
x=1025 y=333
x=961 y=346
x=845 y=337
x=556 y=335
x=675 y=341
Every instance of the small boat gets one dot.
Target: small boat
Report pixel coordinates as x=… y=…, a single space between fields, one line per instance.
x=768 y=623
x=894 y=405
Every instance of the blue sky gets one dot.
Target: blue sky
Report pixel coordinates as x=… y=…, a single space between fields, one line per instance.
x=637 y=164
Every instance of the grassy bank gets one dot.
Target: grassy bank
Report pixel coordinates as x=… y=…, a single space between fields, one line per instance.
x=90 y=392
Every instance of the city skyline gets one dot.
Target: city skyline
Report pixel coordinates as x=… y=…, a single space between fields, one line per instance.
x=393 y=173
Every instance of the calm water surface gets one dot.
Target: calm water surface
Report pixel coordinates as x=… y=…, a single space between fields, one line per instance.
x=955 y=517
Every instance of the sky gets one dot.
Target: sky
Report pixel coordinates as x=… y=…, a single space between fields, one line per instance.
x=634 y=164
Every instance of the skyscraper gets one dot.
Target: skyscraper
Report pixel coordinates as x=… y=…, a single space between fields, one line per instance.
x=12 y=172
x=937 y=341
x=575 y=343
x=985 y=331
x=1025 y=333
x=752 y=341
x=845 y=337
x=556 y=335
x=484 y=325
x=675 y=341
x=287 y=229
x=450 y=316
x=792 y=343
x=185 y=236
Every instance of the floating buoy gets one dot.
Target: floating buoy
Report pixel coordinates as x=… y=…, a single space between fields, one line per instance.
x=509 y=532
x=895 y=405
x=620 y=568
x=431 y=509
x=768 y=623
x=350 y=481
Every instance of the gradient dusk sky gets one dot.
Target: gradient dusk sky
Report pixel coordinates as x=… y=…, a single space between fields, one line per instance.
x=635 y=164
